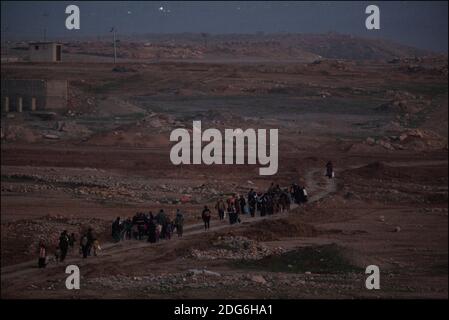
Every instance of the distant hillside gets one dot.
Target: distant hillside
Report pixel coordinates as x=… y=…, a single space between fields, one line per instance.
x=276 y=47
x=331 y=45
x=338 y=46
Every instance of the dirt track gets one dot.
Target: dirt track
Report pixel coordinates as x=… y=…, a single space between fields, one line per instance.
x=110 y=249
x=319 y=189
x=387 y=137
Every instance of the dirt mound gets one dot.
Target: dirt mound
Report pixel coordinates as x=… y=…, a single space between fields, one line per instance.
x=19 y=133
x=404 y=102
x=377 y=170
x=419 y=139
x=271 y=230
x=150 y=131
x=410 y=139
x=382 y=171
x=113 y=106
x=235 y=248
x=72 y=129
x=321 y=259
x=400 y=106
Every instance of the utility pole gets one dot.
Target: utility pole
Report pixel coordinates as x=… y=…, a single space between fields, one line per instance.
x=115 y=44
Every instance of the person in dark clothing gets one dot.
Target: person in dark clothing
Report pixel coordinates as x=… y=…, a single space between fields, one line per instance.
x=168 y=229
x=242 y=203
x=140 y=222
x=259 y=203
x=232 y=213
x=284 y=201
x=221 y=207
x=151 y=231
x=164 y=231
x=303 y=195
x=252 y=202
x=269 y=205
x=72 y=240
x=90 y=240
x=263 y=205
x=271 y=189
x=161 y=219
x=329 y=170
x=297 y=194
x=206 y=217
x=128 y=227
x=63 y=245
x=230 y=210
x=42 y=261
x=84 y=244
x=292 y=192
x=179 y=223
x=237 y=206
x=116 y=230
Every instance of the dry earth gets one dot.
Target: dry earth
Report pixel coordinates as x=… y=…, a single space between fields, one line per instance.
x=108 y=156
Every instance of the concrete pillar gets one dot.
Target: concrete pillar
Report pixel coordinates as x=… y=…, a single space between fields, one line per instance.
x=6 y=105
x=33 y=104
x=19 y=104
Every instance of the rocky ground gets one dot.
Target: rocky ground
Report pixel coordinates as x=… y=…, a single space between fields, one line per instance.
x=107 y=156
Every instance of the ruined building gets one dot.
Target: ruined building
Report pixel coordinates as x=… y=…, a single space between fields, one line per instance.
x=20 y=95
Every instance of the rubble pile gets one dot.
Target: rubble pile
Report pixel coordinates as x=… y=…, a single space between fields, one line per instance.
x=78 y=101
x=409 y=139
x=97 y=184
x=19 y=133
x=161 y=122
x=205 y=279
x=404 y=102
x=235 y=248
x=54 y=130
x=398 y=185
x=72 y=129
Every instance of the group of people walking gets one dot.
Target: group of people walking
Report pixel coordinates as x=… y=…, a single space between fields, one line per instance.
x=148 y=226
x=273 y=201
x=89 y=245
x=153 y=228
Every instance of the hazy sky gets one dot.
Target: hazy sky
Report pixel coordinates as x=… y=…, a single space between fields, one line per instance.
x=420 y=24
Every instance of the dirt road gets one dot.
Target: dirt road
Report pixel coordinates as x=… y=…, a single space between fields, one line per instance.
x=318 y=185
x=319 y=188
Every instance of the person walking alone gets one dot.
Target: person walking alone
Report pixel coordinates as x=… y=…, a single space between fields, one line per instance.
x=206 y=217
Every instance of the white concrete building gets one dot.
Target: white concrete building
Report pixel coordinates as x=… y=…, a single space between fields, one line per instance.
x=45 y=51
